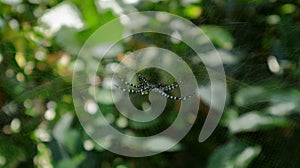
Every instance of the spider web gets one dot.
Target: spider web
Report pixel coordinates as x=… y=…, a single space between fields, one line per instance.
x=239 y=75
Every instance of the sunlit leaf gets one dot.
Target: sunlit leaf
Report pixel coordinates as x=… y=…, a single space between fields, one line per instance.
x=205 y=92
x=227 y=57
x=219 y=36
x=285 y=103
x=234 y=154
x=288 y=8
x=107 y=50
x=228 y=115
x=61 y=127
x=251 y=95
x=160 y=143
x=64 y=14
x=192 y=11
x=254 y=121
x=144 y=125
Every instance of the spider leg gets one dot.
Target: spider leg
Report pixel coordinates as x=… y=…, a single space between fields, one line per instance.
x=142 y=79
x=129 y=84
x=142 y=91
x=169 y=87
x=144 y=87
x=172 y=97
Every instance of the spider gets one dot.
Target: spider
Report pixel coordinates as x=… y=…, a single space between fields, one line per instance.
x=145 y=87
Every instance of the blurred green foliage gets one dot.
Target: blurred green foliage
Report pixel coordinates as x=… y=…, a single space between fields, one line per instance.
x=257 y=40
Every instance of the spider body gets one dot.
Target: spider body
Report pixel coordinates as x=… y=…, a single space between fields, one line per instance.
x=145 y=87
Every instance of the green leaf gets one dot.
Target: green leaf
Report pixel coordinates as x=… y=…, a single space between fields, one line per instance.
x=235 y=154
x=10 y=154
x=192 y=11
x=160 y=143
x=251 y=95
x=288 y=8
x=229 y=115
x=104 y=96
x=72 y=141
x=254 y=121
x=144 y=125
x=66 y=163
x=67 y=38
x=285 y=103
x=228 y=57
x=219 y=36
x=73 y=162
x=62 y=126
x=90 y=14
